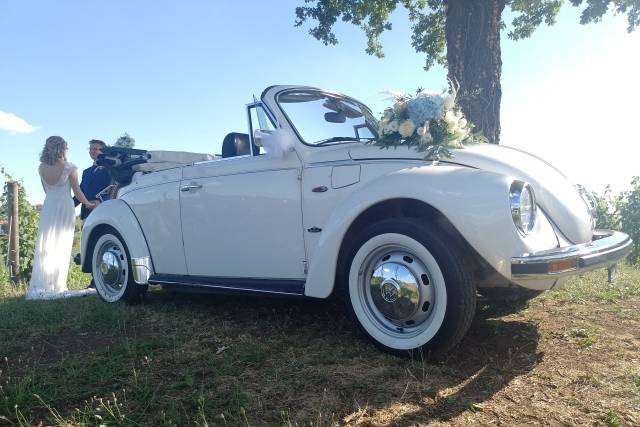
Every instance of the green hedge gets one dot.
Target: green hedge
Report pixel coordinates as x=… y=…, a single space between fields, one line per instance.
x=29 y=218
x=622 y=212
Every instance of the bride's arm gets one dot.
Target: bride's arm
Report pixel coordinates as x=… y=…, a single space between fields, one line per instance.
x=73 y=179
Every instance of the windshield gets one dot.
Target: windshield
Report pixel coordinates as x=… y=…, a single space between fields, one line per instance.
x=322 y=118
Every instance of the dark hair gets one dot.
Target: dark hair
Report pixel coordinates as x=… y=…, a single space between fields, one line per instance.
x=97 y=141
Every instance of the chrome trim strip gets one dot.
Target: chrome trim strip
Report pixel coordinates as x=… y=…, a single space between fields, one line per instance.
x=605 y=249
x=223 y=287
x=366 y=162
x=141 y=268
x=272 y=119
x=331 y=163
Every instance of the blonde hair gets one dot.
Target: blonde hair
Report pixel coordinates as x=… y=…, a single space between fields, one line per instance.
x=54 y=150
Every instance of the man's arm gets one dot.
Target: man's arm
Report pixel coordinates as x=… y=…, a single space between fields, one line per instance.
x=83 y=185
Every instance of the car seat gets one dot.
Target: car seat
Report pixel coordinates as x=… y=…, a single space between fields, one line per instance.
x=237 y=144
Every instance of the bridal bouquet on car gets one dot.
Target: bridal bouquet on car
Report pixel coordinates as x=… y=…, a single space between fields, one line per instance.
x=430 y=122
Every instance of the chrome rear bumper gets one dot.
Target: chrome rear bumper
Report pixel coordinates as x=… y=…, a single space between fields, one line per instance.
x=606 y=248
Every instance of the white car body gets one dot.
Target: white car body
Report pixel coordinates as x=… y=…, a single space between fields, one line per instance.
x=277 y=224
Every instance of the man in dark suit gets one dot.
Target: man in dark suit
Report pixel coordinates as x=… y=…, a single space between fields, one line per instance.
x=94 y=179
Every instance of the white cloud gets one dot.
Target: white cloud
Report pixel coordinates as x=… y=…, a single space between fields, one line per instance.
x=14 y=124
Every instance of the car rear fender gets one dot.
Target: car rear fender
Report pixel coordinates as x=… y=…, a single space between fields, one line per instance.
x=116 y=214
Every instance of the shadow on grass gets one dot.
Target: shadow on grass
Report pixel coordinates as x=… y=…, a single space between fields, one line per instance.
x=494 y=352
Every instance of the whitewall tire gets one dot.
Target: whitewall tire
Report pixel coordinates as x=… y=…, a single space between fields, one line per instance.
x=111 y=270
x=407 y=288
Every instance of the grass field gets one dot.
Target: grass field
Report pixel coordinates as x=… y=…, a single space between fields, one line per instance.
x=571 y=358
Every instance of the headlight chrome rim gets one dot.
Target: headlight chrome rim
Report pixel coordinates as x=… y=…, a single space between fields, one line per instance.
x=518 y=189
x=590 y=202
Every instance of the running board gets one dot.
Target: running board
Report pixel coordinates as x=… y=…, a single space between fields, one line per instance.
x=291 y=287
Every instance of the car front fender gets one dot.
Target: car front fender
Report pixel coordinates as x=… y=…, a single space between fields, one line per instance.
x=119 y=216
x=475 y=202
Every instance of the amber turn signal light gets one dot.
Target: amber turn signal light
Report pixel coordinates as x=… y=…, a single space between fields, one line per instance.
x=564 y=265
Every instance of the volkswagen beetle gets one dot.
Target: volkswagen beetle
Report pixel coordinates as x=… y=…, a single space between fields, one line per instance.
x=301 y=204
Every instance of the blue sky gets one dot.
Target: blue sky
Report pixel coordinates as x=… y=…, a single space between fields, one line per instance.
x=176 y=76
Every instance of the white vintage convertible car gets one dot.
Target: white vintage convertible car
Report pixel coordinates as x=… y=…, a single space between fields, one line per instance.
x=301 y=205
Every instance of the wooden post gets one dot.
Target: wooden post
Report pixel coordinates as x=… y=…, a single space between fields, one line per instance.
x=14 y=230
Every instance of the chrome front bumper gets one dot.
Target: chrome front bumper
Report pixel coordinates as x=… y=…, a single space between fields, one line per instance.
x=606 y=248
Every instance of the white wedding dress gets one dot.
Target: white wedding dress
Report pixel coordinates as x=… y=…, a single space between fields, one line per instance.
x=55 y=240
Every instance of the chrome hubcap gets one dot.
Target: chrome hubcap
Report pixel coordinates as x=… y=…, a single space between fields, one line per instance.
x=396 y=287
x=112 y=267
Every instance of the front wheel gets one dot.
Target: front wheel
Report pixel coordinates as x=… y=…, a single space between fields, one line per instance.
x=407 y=287
x=111 y=270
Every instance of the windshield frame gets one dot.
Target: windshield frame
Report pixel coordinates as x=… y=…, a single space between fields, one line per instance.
x=363 y=108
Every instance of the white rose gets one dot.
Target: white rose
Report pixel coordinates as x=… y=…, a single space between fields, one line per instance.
x=462 y=123
x=451 y=119
x=393 y=126
x=459 y=114
x=422 y=130
x=406 y=128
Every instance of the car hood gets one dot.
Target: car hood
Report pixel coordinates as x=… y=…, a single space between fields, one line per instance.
x=555 y=194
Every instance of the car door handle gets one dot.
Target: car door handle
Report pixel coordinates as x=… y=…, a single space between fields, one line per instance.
x=190 y=187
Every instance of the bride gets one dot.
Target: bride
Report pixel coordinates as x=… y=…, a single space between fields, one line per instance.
x=57 y=221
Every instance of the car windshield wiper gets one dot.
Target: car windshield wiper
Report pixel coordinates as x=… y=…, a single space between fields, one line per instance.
x=341 y=139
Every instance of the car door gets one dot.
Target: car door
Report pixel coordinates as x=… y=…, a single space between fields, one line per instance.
x=242 y=218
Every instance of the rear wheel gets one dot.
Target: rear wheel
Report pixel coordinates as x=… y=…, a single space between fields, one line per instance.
x=111 y=270
x=407 y=288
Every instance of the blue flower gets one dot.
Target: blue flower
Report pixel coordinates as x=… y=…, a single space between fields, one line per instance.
x=424 y=107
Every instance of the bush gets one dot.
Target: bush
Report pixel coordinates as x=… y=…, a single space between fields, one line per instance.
x=622 y=212
x=607 y=210
x=630 y=217
x=4 y=274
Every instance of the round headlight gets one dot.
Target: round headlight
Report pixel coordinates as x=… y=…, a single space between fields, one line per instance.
x=523 y=206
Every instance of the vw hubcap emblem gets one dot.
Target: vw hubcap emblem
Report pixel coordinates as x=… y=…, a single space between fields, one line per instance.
x=390 y=291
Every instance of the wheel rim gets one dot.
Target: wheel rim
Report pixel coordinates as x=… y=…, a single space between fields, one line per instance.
x=396 y=291
x=112 y=273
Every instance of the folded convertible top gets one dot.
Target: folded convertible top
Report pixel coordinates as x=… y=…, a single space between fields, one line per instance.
x=122 y=163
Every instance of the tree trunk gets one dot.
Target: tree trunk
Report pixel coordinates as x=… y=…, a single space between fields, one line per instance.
x=14 y=230
x=473 y=53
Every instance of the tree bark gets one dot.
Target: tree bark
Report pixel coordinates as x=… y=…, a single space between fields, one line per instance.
x=472 y=32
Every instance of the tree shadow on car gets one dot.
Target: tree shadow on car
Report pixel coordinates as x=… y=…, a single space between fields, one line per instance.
x=328 y=357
